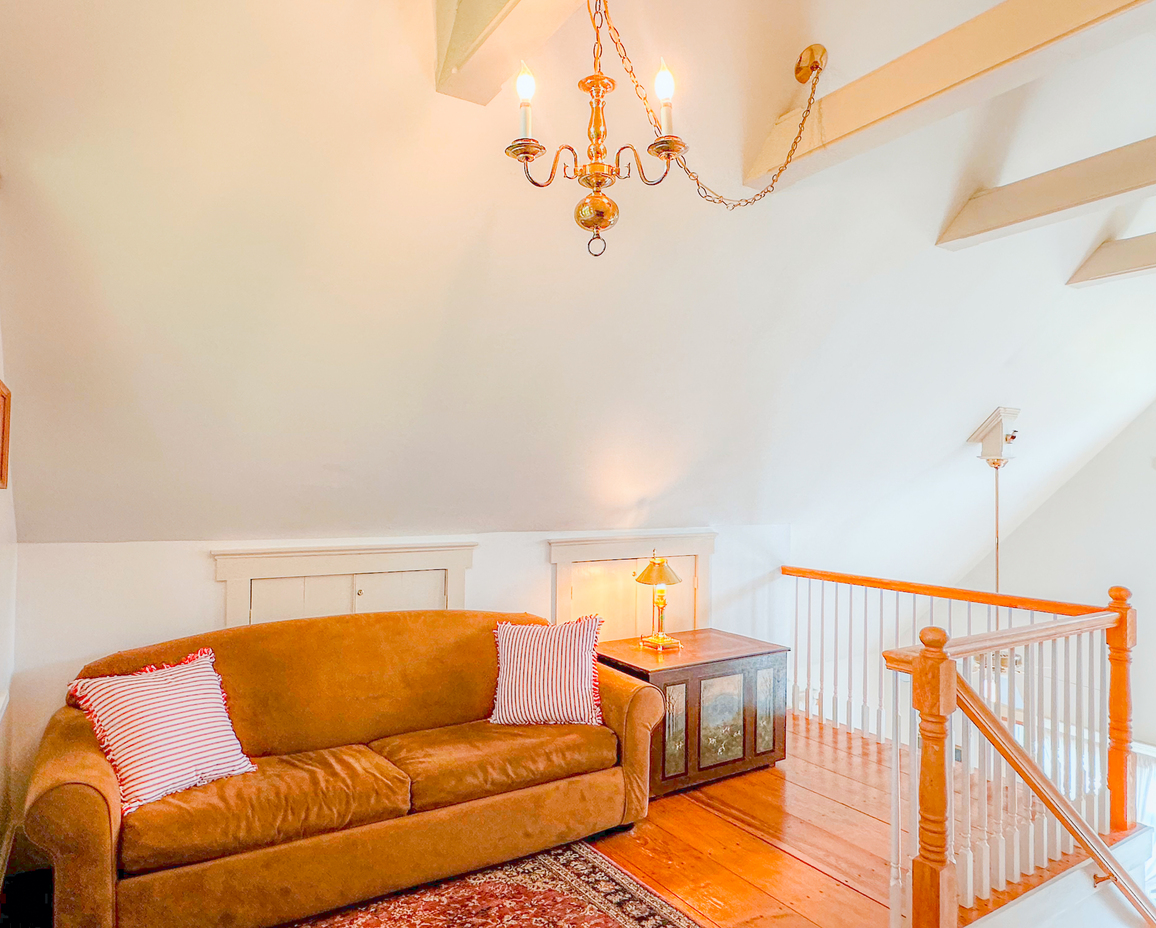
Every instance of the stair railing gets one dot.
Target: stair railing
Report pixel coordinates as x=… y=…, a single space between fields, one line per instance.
x=1055 y=675
x=1028 y=733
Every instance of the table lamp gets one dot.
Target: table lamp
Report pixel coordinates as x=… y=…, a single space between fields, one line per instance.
x=658 y=574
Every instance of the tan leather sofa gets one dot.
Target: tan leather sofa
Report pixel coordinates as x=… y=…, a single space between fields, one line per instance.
x=376 y=770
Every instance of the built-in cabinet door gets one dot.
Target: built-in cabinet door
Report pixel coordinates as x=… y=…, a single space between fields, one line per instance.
x=279 y=598
x=400 y=589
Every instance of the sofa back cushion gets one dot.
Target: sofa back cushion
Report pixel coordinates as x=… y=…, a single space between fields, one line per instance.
x=308 y=684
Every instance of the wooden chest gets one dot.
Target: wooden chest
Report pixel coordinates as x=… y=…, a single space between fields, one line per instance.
x=726 y=704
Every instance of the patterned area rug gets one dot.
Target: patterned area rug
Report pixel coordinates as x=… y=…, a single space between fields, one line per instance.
x=568 y=887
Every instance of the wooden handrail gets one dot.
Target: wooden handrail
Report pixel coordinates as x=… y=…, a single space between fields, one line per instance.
x=990 y=727
x=938 y=689
x=944 y=592
x=984 y=643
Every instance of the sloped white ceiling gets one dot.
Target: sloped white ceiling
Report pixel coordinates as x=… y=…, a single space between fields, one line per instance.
x=257 y=279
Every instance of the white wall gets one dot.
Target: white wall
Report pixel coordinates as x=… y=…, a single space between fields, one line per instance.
x=78 y=602
x=1097 y=531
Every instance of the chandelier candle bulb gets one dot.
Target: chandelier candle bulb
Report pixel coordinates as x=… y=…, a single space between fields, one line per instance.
x=525 y=85
x=664 y=90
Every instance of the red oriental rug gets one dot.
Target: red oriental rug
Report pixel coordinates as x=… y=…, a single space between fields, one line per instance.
x=569 y=887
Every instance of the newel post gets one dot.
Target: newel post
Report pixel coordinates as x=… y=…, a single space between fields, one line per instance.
x=1121 y=764
x=935 y=898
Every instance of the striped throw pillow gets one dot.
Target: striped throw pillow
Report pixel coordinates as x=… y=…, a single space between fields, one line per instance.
x=163 y=729
x=548 y=674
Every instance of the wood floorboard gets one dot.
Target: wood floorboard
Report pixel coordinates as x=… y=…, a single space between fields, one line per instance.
x=660 y=858
x=805 y=844
x=821 y=812
x=840 y=787
x=812 y=893
x=831 y=853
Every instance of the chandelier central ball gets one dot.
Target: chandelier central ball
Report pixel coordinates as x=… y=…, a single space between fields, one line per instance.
x=596 y=212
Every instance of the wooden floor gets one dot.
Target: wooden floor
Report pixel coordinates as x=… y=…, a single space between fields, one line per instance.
x=800 y=845
x=804 y=844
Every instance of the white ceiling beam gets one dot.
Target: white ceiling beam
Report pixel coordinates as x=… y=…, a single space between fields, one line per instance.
x=481 y=42
x=1001 y=49
x=1094 y=183
x=1126 y=257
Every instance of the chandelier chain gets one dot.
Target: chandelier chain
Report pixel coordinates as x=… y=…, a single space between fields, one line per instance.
x=596 y=9
x=601 y=10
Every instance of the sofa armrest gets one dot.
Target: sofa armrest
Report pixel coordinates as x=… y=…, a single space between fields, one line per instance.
x=72 y=811
x=631 y=708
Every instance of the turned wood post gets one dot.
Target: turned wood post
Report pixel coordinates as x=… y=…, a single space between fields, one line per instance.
x=935 y=898
x=1121 y=764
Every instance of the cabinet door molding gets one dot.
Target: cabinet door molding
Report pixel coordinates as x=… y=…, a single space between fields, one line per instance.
x=238 y=569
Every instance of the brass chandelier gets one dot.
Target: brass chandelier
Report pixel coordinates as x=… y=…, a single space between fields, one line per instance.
x=596 y=212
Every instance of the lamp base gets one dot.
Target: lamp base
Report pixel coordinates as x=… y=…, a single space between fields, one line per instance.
x=661 y=642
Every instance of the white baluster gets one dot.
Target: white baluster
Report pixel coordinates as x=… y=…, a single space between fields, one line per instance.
x=1080 y=797
x=1069 y=774
x=1041 y=827
x=851 y=656
x=1054 y=843
x=897 y=894
x=983 y=802
x=865 y=710
x=882 y=670
x=1029 y=744
x=1014 y=834
x=823 y=650
x=795 y=655
x=966 y=860
x=835 y=664
x=1001 y=851
x=807 y=709
x=1105 y=808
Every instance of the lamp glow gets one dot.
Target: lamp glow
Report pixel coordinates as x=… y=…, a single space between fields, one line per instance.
x=664 y=90
x=525 y=84
x=664 y=84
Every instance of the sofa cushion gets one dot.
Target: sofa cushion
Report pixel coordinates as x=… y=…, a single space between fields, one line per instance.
x=462 y=762
x=287 y=797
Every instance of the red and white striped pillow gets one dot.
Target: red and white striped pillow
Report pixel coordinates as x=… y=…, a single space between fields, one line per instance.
x=548 y=674
x=163 y=729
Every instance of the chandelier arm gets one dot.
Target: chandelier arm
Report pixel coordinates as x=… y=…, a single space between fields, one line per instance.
x=553 y=168
x=711 y=196
x=638 y=161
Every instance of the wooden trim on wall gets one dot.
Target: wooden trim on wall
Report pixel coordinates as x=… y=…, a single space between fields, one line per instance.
x=238 y=569
x=564 y=552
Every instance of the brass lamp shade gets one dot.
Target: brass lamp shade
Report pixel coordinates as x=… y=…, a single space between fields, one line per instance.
x=658 y=571
x=659 y=575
